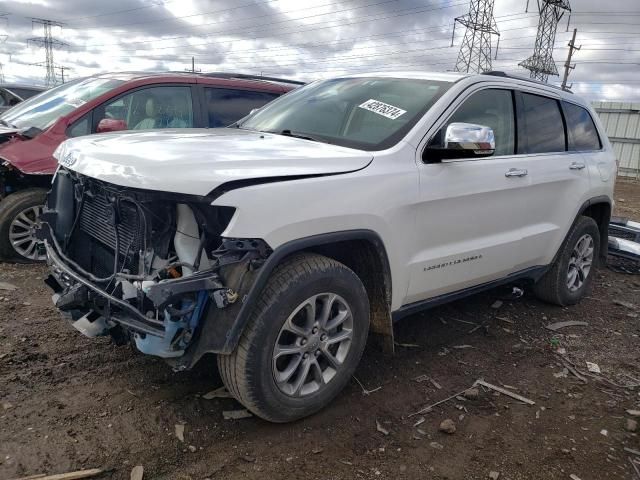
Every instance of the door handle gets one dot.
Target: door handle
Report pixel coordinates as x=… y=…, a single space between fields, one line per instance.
x=577 y=166
x=516 y=172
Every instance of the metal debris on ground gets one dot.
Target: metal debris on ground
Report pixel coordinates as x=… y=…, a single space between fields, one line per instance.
x=381 y=429
x=504 y=391
x=179 y=429
x=236 y=414
x=364 y=390
x=430 y=407
x=221 y=392
x=571 y=323
x=593 y=367
x=137 y=472
x=408 y=345
x=573 y=476
x=420 y=421
x=66 y=476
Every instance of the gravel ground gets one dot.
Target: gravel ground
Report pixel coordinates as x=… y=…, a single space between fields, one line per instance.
x=69 y=403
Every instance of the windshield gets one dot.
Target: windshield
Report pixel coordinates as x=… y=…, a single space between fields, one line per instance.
x=44 y=109
x=365 y=113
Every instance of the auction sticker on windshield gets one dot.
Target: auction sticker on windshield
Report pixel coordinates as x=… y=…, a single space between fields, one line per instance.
x=381 y=108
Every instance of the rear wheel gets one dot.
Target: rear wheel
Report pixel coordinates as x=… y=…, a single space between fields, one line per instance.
x=19 y=218
x=303 y=341
x=570 y=276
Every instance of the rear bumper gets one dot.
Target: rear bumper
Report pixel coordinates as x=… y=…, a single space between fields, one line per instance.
x=624 y=238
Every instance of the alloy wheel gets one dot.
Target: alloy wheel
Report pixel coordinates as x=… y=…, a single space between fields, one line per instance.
x=312 y=345
x=580 y=263
x=22 y=233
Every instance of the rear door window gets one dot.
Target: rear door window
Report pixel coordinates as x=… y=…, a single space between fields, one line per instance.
x=225 y=106
x=542 y=125
x=582 y=131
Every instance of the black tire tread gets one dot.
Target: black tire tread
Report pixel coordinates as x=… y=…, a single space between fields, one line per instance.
x=547 y=288
x=233 y=371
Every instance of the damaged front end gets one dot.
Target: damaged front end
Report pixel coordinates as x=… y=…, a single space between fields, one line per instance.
x=144 y=266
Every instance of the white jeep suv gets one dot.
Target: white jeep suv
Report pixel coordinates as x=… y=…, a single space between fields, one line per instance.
x=281 y=243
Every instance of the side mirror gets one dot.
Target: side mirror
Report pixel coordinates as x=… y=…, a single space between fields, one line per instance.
x=111 y=125
x=463 y=140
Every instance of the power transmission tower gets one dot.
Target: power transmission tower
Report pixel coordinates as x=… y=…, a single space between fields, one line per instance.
x=48 y=42
x=541 y=63
x=475 y=50
x=567 y=66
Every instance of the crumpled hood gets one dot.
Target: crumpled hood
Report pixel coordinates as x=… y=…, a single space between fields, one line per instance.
x=196 y=161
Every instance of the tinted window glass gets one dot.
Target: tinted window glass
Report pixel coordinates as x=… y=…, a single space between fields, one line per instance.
x=155 y=107
x=491 y=108
x=543 y=127
x=80 y=127
x=226 y=106
x=582 y=131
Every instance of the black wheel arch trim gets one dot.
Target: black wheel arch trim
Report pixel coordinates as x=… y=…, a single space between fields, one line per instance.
x=287 y=249
x=604 y=235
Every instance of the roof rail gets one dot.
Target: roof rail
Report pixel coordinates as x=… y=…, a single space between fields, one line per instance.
x=498 y=73
x=252 y=77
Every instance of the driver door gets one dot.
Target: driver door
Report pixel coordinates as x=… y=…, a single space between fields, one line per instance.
x=469 y=219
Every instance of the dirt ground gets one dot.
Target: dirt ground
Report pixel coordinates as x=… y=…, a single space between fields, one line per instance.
x=70 y=403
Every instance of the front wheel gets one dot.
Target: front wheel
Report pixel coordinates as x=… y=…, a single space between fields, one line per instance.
x=19 y=217
x=303 y=341
x=569 y=278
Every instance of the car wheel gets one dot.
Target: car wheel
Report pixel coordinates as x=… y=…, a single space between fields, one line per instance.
x=303 y=341
x=19 y=217
x=569 y=278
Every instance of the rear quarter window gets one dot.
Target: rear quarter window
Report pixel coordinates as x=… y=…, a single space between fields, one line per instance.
x=583 y=134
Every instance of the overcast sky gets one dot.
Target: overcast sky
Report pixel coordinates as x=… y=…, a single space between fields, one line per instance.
x=313 y=38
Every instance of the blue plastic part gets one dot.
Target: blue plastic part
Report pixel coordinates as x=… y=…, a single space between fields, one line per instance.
x=162 y=346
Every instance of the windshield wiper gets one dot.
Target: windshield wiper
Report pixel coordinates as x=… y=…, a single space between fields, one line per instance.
x=289 y=133
x=6 y=124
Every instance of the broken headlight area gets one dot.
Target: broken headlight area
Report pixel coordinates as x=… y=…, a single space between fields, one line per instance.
x=140 y=264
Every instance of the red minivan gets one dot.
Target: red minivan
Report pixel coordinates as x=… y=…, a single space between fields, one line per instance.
x=31 y=131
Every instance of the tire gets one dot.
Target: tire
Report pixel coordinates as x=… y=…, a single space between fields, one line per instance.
x=250 y=371
x=29 y=202
x=554 y=287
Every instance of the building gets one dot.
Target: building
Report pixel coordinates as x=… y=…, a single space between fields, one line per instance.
x=622 y=123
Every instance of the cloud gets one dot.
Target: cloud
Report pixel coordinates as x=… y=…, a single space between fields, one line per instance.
x=315 y=39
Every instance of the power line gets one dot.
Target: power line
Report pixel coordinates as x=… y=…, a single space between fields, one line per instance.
x=475 y=51
x=267 y=26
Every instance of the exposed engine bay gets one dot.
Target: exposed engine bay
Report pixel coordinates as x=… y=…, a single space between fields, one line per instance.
x=145 y=266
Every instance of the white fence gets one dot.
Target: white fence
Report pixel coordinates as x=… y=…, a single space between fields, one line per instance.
x=622 y=123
